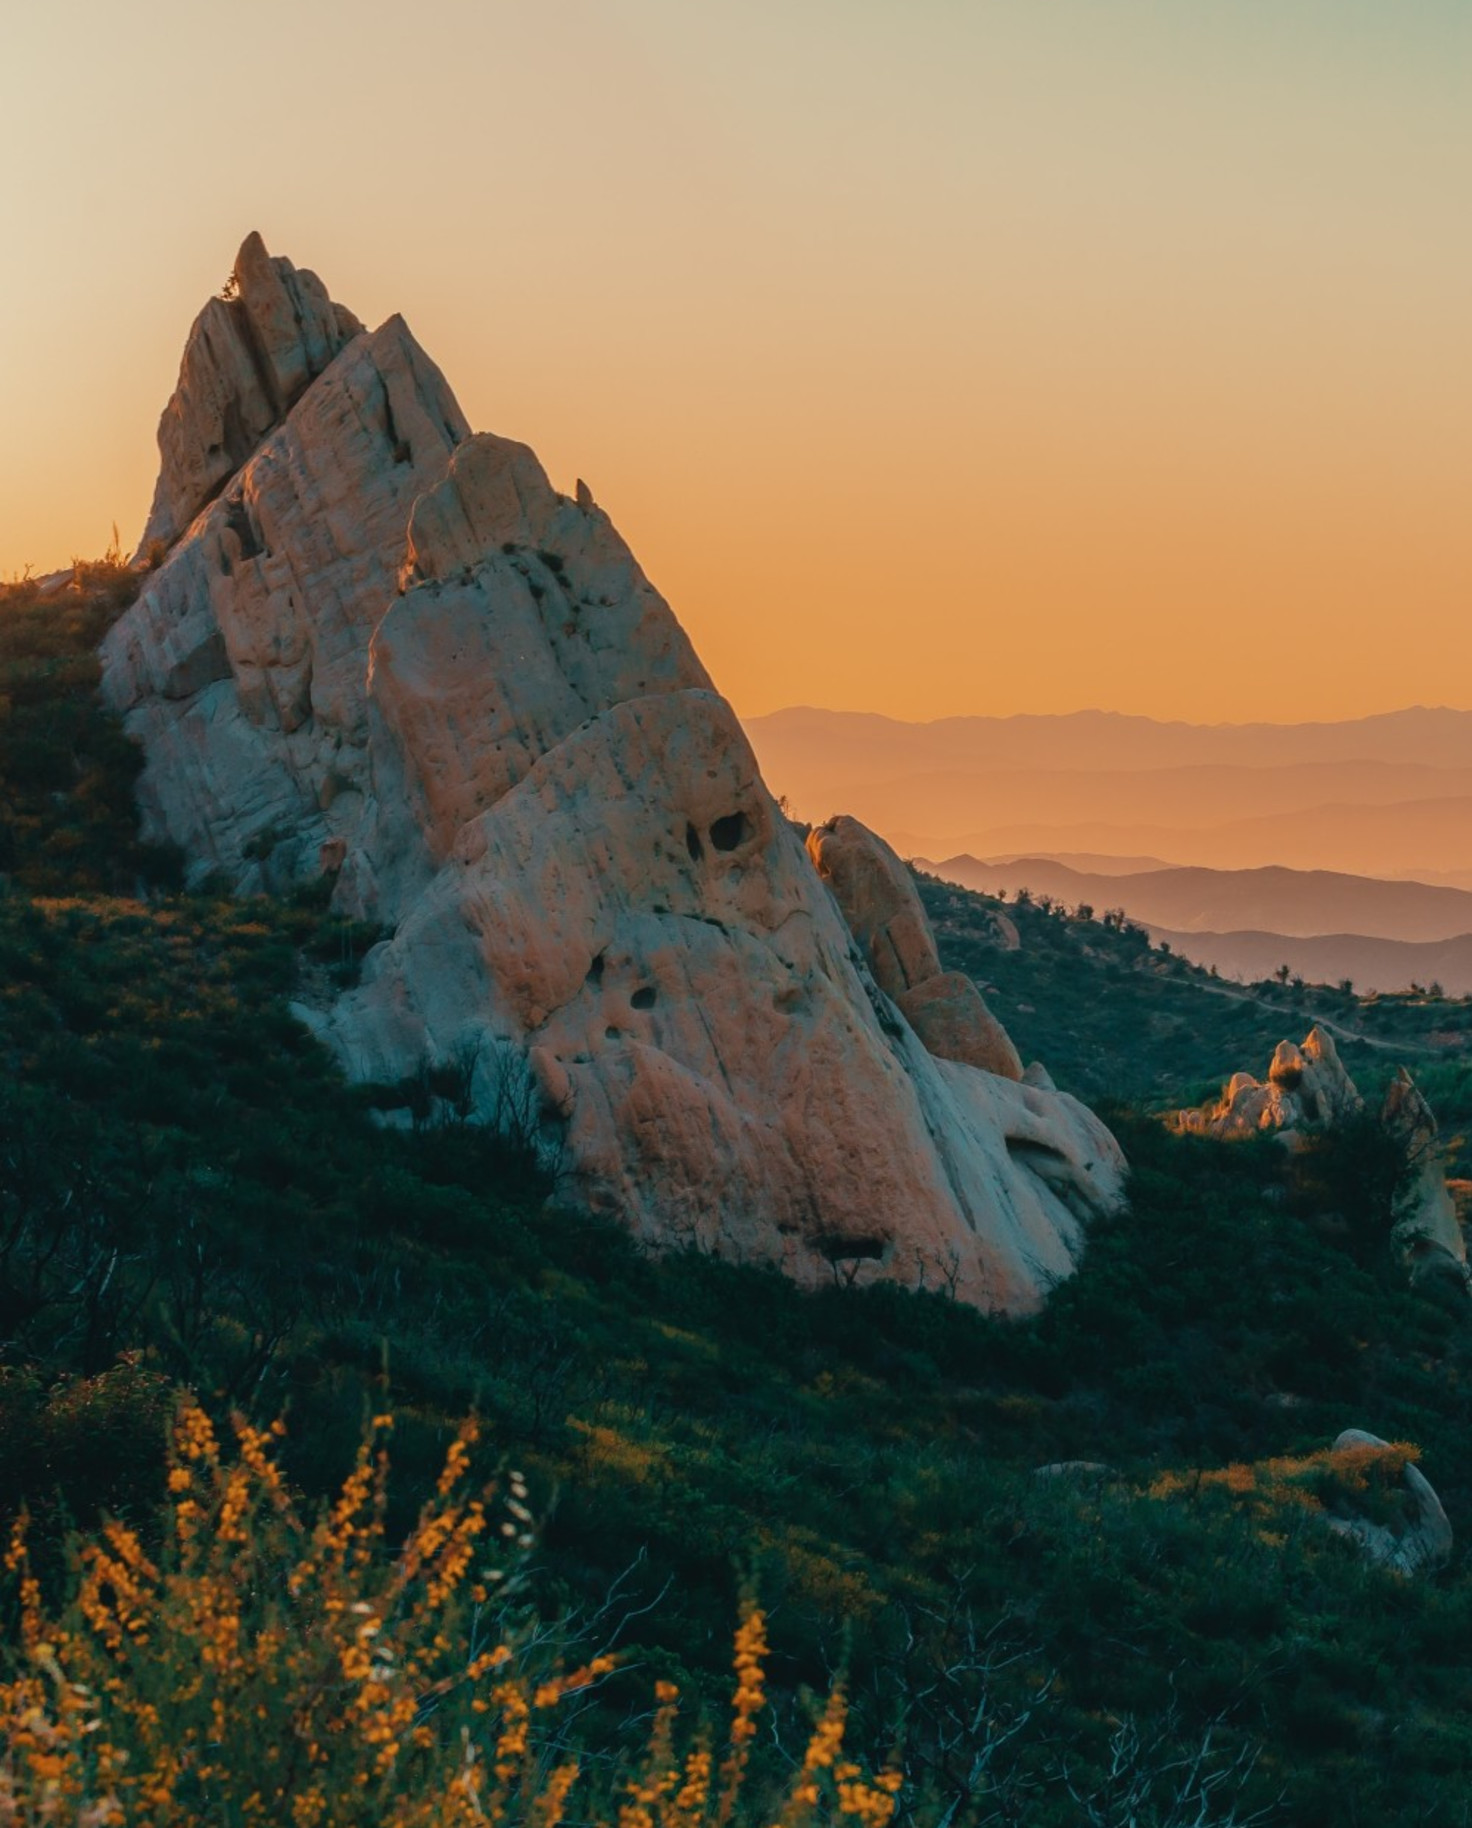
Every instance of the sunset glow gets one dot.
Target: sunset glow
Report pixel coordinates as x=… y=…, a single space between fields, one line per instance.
x=933 y=358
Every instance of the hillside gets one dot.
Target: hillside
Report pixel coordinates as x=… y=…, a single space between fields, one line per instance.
x=1121 y=1019
x=1248 y=924
x=191 y=1196
x=1387 y=965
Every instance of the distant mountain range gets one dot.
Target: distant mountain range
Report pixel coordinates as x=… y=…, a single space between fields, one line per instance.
x=1301 y=903
x=1324 y=926
x=1379 y=796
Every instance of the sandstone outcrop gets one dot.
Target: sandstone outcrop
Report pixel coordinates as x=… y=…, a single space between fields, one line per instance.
x=250 y=356
x=391 y=651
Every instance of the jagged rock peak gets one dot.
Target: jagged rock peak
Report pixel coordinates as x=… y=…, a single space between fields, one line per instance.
x=249 y=357
x=392 y=652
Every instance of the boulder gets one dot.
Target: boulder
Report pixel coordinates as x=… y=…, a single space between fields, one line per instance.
x=1419 y=1540
x=394 y=654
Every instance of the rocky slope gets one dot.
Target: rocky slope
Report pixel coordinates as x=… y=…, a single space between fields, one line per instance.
x=385 y=650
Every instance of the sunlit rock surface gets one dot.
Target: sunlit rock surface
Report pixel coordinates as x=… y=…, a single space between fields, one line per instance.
x=395 y=653
x=879 y=900
x=1306 y=1088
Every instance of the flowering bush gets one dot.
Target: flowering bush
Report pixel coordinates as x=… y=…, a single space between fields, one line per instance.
x=275 y=1668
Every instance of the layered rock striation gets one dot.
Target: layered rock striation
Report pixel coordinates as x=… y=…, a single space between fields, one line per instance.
x=386 y=649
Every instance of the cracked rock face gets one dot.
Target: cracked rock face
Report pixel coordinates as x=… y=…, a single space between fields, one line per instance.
x=394 y=651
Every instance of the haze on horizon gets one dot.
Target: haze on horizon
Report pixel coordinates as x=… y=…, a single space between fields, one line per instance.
x=935 y=359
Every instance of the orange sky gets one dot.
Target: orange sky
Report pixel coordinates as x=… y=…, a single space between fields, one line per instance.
x=934 y=356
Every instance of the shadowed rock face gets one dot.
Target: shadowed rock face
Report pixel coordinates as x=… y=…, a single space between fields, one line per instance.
x=393 y=650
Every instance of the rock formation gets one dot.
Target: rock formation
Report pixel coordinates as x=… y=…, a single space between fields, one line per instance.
x=1307 y=1090
x=390 y=651
x=1427 y=1228
x=250 y=356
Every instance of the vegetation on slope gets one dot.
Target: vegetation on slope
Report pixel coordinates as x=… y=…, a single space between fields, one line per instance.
x=192 y=1200
x=1114 y=1017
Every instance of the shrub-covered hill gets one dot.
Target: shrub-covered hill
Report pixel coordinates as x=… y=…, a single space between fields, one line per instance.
x=1113 y=1017
x=191 y=1198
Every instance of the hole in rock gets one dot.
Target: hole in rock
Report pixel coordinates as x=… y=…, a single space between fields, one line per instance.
x=595 y=970
x=645 y=998
x=849 y=1250
x=610 y=1034
x=693 y=844
x=726 y=833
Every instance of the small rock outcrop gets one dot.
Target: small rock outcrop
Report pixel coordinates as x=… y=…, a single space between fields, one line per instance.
x=1427 y=1227
x=1308 y=1090
x=1419 y=1540
x=389 y=651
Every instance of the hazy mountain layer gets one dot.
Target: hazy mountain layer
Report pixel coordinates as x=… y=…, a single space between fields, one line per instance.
x=1331 y=958
x=1382 y=796
x=1297 y=902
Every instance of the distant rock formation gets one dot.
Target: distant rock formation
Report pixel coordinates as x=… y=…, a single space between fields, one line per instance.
x=1427 y=1228
x=388 y=651
x=1308 y=1089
